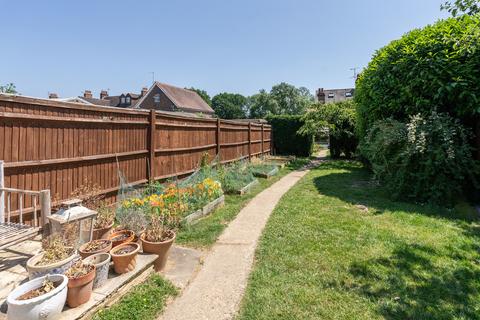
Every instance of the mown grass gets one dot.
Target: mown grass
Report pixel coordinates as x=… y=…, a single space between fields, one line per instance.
x=205 y=232
x=324 y=256
x=145 y=301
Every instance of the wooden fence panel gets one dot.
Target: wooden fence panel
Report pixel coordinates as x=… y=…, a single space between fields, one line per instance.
x=60 y=146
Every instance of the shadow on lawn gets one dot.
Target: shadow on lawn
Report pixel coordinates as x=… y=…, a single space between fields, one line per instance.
x=408 y=286
x=405 y=284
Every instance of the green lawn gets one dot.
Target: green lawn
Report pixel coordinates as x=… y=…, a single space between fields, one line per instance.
x=145 y=301
x=322 y=257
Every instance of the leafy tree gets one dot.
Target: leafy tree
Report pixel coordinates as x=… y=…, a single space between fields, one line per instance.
x=8 y=88
x=434 y=68
x=262 y=105
x=291 y=100
x=458 y=7
x=202 y=93
x=338 y=120
x=230 y=105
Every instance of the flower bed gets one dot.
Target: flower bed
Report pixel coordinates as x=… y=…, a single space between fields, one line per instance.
x=177 y=200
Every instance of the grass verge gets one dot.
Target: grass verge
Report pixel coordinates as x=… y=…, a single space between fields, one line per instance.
x=145 y=301
x=205 y=232
x=336 y=247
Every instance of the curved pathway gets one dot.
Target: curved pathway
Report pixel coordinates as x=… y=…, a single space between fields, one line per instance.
x=216 y=291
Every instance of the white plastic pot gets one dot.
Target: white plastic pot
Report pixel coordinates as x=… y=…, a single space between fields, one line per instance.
x=46 y=306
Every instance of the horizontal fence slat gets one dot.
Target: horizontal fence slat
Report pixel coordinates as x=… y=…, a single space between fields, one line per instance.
x=60 y=146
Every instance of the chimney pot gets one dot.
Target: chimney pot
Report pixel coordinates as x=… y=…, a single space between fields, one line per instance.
x=144 y=91
x=103 y=94
x=321 y=95
x=87 y=94
x=52 y=95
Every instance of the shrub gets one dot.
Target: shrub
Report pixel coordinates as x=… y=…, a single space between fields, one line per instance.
x=434 y=66
x=428 y=159
x=286 y=140
x=340 y=120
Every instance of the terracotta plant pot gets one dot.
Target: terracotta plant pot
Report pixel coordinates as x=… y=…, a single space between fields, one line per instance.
x=102 y=233
x=107 y=247
x=128 y=236
x=159 y=248
x=125 y=262
x=80 y=289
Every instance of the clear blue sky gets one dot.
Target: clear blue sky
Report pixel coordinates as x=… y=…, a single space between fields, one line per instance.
x=217 y=45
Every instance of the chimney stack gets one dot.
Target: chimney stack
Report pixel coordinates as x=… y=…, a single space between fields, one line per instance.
x=103 y=94
x=321 y=95
x=87 y=94
x=52 y=95
x=144 y=91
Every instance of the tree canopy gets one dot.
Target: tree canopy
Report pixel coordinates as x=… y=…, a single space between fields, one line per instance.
x=230 y=105
x=262 y=105
x=291 y=100
x=8 y=88
x=459 y=7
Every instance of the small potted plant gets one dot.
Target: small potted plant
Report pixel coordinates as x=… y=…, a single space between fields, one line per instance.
x=80 y=283
x=103 y=223
x=57 y=256
x=95 y=246
x=124 y=257
x=131 y=219
x=159 y=234
x=41 y=296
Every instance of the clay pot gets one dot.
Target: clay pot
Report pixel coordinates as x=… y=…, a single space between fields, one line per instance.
x=106 y=249
x=101 y=261
x=129 y=237
x=123 y=263
x=159 y=248
x=102 y=233
x=35 y=271
x=80 y=289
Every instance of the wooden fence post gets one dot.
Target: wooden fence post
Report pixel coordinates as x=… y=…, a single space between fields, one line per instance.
x=217 y=139
x=271 y=141
x=263 y=149
x=151 y=146
x=250 y=141
x=2 y=193
x=45 y=204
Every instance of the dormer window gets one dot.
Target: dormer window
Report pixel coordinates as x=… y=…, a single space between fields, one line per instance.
x=331 y=95
x=122 y=100
x=156 y=98
x=128 y=100
x=348 y=94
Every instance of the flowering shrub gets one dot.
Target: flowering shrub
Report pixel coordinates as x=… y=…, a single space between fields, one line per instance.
x=428 y=159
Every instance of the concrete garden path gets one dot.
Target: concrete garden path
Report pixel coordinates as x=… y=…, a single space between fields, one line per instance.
x=216 y=291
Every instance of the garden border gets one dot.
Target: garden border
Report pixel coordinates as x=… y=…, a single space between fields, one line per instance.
x=209 y=207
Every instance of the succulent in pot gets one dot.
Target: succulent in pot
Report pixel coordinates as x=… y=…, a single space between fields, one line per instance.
x=159 y=237
x=40 y=298
x=124 y=257
x=95 y=246
x=80 y=283
x=57 y=256
x=103 y=223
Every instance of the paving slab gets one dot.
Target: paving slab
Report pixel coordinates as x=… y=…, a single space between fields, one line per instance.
x=182 y=265
x=216 y=291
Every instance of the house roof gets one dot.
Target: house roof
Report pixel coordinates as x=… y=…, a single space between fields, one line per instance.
x=182 y=98
x=100 y=102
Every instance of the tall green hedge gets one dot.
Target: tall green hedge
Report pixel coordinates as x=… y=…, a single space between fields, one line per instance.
x=286 y=140
x=437 y=67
